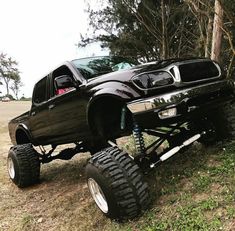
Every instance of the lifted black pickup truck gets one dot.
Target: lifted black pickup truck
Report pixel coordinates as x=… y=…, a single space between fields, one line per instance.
x=93 y=101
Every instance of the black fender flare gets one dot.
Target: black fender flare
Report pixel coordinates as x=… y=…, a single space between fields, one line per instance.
x=116 y=90
x=93 y=101
x=23 y=128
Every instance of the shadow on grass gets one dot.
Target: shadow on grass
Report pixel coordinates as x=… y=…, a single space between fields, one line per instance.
x=69 y=171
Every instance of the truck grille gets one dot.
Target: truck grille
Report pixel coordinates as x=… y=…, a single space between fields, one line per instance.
x=202 y=70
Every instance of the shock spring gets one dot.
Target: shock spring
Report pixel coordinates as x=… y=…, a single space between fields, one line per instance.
x=139 y=139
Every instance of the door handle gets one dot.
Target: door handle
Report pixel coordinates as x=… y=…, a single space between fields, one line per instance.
x=51 y=106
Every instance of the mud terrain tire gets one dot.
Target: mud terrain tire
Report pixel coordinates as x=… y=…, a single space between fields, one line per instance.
x=23 y=165
x=228 y=119
x=119 y=183
x=223 y=122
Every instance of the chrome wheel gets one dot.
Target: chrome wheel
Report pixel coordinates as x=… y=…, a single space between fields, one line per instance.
x=98 y=195
x=10 y=168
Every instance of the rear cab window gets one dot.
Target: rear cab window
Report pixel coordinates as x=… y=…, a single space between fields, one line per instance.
x=40 y=91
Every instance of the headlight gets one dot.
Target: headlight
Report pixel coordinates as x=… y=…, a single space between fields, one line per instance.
x=153 y=80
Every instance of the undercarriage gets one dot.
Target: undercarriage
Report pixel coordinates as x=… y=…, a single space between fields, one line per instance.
x=167 y=141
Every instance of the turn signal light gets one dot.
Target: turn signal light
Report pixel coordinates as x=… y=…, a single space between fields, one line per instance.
x=168 y=113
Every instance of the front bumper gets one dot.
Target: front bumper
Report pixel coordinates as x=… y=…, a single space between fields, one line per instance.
x=204 y=97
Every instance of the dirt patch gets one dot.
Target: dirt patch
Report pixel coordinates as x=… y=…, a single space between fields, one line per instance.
x=200 y=197
x=9 y=110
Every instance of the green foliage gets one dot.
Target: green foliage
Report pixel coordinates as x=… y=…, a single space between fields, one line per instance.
x=209 y=204
x=145 y=29
x=202 y=182
x=26 y=221
x=23 y=98
x=157 y=29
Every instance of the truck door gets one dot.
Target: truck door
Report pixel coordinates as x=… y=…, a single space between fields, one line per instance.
x=38 y=119
x=67 y=111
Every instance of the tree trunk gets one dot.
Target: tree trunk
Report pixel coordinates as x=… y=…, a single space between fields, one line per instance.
x=208 y=37
x=217 y=32
x=7 y=84
x=164 y=31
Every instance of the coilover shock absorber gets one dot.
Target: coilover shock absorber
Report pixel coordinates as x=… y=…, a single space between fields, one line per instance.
x=139 y=139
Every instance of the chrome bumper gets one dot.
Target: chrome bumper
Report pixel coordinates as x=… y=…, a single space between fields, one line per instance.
x=177 y=97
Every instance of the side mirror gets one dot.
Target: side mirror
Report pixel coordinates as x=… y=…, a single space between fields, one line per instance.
x=64 y=81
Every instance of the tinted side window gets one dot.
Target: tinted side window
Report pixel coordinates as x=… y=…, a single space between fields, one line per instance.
x=39 y=95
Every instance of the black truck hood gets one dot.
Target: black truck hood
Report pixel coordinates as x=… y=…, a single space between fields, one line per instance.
x=126 y=75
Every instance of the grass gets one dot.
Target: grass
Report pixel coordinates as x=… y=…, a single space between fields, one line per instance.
x=194 y=190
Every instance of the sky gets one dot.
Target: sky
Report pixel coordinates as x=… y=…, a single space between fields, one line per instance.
x=41 y=34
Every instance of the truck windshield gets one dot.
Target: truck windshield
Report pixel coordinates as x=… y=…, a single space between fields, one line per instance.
x=96 y=66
